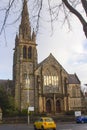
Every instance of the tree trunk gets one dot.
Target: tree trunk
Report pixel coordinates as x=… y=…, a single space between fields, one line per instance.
x=85 y=29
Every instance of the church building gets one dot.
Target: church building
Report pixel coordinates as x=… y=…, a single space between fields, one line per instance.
x=46 y=86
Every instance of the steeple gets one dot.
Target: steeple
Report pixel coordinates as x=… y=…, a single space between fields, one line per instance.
x=33 y=36
x=25 y=29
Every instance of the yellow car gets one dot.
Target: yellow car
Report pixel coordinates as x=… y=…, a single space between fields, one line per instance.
x=45 y=123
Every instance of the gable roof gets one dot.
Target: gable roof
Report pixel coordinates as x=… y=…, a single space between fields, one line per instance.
x=73 y=79
x=50 y=57
x=3 y=82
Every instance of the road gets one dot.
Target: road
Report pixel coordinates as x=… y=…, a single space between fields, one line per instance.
x=60 y=126
x=72 y=126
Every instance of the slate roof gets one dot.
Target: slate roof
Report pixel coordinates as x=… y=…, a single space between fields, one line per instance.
x=3 y=82
x=73 y=79
x=50 y=56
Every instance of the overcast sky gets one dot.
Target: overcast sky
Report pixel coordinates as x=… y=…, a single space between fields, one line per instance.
x=69 y=47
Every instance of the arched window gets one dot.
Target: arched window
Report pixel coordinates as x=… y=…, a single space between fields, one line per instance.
x=73 y=92
x=65 y=85
x=24 y=52
x=30 y=52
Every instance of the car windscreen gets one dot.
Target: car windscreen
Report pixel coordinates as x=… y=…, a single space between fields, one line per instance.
x=48 y=119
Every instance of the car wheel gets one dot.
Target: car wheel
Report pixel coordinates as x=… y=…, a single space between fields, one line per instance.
x=42 y=128
x=35 y=127
x=54 y=128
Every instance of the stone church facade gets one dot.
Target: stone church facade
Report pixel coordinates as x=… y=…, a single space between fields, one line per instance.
x=46 y=86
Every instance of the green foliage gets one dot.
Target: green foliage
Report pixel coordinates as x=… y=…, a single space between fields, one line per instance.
x=10 y=113
x=16 y=112
x=6 y=101
x=69 y=112
x=38 y=114
x=24 y=112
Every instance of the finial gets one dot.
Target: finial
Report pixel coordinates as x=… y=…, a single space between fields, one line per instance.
x=33 y=35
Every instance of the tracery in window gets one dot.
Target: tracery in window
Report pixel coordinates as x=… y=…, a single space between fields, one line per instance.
x=24 y=52
x=30 y=52
x=78 y=91
x=50 y=80
x=73 y=92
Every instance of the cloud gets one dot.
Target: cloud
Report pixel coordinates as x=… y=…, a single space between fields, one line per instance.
x=68 y=48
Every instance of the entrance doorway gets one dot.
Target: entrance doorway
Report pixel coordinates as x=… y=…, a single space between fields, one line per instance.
x=58 y=106
x=48 y=106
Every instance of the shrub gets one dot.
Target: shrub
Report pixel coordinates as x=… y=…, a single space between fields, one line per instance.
x=69 y=112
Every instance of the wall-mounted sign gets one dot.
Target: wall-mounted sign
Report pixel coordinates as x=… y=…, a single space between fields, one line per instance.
x=77 y=113
x=30 y=109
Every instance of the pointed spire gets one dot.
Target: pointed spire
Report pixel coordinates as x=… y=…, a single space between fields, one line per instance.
x=16 y=40
x=25 y=29
x=33 y=36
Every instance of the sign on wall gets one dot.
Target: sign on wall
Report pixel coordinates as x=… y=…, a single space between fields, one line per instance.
x=77 y=113
x=30 y=108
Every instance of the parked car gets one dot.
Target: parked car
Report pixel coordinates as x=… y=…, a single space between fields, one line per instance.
x=45 y=123
x=81 y=119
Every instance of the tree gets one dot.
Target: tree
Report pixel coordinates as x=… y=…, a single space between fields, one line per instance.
x=6 y=100
x=66 y=7
x=77 y=14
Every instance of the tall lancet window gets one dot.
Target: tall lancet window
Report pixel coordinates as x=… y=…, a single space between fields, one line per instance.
x=24 y=52
x=30 y=52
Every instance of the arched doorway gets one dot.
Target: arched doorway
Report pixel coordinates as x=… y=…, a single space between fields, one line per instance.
x=58 y=106
x=48 y=106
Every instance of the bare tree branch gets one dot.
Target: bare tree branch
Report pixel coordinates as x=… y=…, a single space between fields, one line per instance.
x=55 y=7
x=66 y=17
x=75 y=12
x=50 y=14
x=7 y=14
x=39 y=12
x=84 y=3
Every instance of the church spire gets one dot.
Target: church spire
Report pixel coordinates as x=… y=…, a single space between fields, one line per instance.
x=25 y=29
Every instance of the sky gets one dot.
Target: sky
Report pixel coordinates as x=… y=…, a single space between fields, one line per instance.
x=69 y=47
